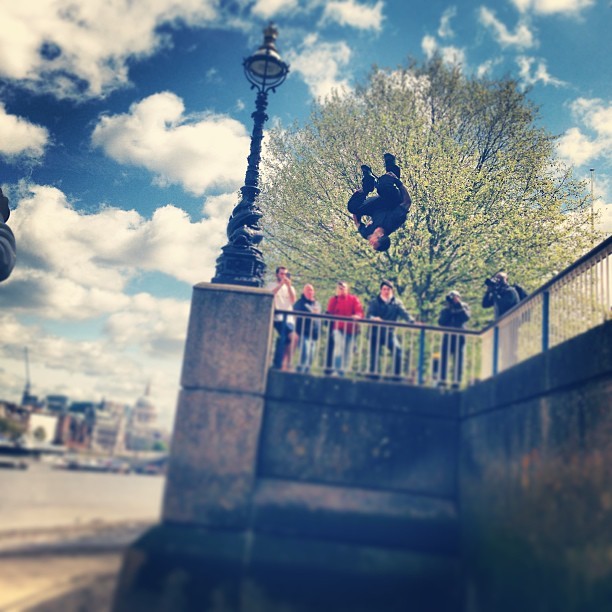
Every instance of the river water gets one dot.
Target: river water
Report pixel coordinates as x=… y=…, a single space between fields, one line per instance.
x=43 y=497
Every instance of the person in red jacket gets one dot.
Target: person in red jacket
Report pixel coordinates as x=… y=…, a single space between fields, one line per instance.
x=344 y=304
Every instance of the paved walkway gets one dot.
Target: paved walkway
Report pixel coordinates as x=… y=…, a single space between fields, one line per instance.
x=65 y=569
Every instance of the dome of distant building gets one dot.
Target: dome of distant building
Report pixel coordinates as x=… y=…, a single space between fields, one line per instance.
x=144 y=413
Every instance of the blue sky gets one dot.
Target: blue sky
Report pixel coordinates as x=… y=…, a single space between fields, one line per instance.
x=124 y=131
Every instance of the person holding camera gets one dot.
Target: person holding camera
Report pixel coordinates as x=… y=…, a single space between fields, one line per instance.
x=8 y=249
x=386 y=307
x=454 y=313
x=284 y=298
x=500 y=294
x=388 y=210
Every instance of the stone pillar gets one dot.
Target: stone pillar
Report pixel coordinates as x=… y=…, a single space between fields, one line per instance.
x=220 y=407
x=209 y=488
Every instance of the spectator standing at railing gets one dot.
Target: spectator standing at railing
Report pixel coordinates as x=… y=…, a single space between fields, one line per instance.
x=343 y=304
x=500 y=294
x=455 y=313
x=386 y=307
x=8 y=251
x=284 y=298
x=307 y=329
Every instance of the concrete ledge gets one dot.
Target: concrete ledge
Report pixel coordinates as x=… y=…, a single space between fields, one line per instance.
x=362 y=395
x=367 y=517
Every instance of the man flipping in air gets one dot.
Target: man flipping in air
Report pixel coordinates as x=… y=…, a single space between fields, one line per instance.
x=388 y=210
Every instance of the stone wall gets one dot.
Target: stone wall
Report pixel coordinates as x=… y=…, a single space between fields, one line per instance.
x=294 y=493
x=536 y=481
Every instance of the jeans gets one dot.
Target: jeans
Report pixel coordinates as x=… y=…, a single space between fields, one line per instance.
x=343 y=350
x=384 y=337
x=452 y=345
x=284 y=330
x=307 y=352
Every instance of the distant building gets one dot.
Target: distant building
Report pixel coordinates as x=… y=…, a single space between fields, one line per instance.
x=108 y=433
x=142 y=433
x=42 y=428
x=58 y=404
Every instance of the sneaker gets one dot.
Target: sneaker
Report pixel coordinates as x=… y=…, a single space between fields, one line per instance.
x=391 y=164
x=5 y=211
x=368 y=181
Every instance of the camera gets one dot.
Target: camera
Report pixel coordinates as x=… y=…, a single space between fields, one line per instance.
x=492 y=283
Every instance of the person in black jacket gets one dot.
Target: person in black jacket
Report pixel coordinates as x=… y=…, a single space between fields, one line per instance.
x=500 y=294
x=455 y=313
x=386 y=307
x=307 y=329
x=8 y=250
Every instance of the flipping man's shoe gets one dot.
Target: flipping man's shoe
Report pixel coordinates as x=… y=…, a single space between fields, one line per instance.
x=391 y=164
x=368 y=181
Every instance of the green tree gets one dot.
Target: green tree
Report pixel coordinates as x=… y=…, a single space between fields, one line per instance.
x=487 y=190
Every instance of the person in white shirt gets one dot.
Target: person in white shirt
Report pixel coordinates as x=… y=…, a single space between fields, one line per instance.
x=284 y=324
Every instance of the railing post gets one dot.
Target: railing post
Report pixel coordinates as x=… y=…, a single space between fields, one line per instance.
x=545 y=320
x=495 y=350
x=421 y=366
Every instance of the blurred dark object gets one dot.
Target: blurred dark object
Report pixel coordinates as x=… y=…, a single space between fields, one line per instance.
x=5 y=211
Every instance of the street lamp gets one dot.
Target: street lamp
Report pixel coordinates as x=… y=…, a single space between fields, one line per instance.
x=241 y=262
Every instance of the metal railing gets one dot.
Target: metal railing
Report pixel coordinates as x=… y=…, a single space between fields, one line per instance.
x=574 y=301
x=571 y=303
x=371 y=349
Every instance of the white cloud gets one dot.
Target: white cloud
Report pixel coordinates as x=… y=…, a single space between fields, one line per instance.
x=20 y=137
x=429 y=45
x=521 y=38
x=593 y=139
x=197 y=152
x=77 y=266
x=577 y=148
x=353 y=14
x=82 y=49
x=486 y=67
x=548 y=7
x=445 y=30
x=270 y=8
x=320 y=64
x=449 y=53
x=532 y=71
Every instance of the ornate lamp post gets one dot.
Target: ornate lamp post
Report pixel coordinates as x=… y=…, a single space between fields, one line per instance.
x=241 y=262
